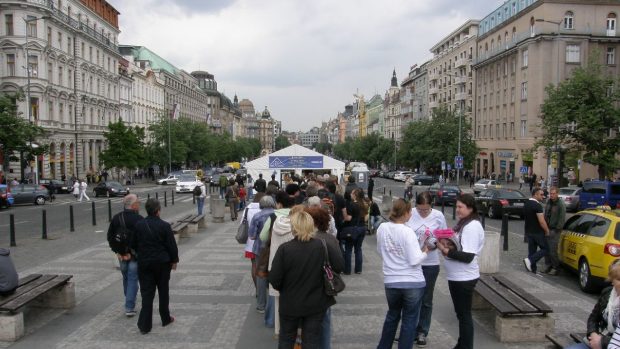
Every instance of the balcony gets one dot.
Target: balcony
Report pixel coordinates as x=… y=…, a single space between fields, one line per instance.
x=461 y=62
x=433 y=76
x=433 y=104
x=461 y=80
x=461 y=96
x=433 y=90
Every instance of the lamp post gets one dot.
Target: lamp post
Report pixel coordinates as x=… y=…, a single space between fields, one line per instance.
x=461 y=111
x=28 y=102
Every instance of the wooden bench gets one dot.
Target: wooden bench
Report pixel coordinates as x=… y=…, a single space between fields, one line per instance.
x=520 y=316
x=195 y=221
x=562 y=341
x=180 y=230
x=50 y=291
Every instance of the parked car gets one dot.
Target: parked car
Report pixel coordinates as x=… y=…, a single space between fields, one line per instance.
x=6 y=198
x=496 y=202
x=187 y=183
x=589 y=243
x=60 y=187
x=483 y=184
x=598 y=193
x=171 y=179
x=207 y=176
x=109 y=189
x=374 y=172
x=424 y=179
x=29 y=194
x=444 y=193
x=570 y=196
x=401 y=176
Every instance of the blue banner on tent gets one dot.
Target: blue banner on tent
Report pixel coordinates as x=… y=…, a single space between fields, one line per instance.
x=295 y=162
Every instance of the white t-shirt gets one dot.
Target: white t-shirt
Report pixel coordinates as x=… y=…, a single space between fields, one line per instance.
x=252 y=209
x=472 y=241
x=434 y=220
x=399 y=248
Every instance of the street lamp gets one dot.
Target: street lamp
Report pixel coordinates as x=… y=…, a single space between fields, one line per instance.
x=461 y=111
x=28 y=102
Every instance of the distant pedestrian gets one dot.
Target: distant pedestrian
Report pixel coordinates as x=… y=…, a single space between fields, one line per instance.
x=371 y=187
x=120 y=234
x=536 y=230
x=51 y=189
x=158 y=256
x=83 y=187
x=260 y=185
x=14 y=182
x=76 y=189
x=232 y=197
x=200 y=197
x=555 y=215
x=521 y=181
x=273 y=182
x=223 y=182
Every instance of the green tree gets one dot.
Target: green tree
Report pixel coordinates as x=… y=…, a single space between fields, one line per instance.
x=323 y=148
x=282 y=142
x=581 y=113
x=16 y=133
x=125 y=146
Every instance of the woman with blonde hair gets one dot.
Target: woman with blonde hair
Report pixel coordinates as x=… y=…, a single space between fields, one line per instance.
x=404 y=282
x=296 y=272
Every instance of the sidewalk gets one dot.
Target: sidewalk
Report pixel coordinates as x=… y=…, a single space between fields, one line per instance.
x=212 y=297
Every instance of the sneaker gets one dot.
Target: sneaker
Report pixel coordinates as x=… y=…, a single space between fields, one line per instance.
x=553 y=272
x=130 y=313
x=171 y=321
x=421 y=340
x=528 y=264
x=261 y=311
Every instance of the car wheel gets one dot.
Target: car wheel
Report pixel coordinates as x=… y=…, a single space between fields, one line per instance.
x=40 y=200
x=586 y=282
x=491 y=212
x=164 y=183
x=96 y=193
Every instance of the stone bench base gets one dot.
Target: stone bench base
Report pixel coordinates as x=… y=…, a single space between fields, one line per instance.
x=11 y=327
x=526 y=328
x=191 y=229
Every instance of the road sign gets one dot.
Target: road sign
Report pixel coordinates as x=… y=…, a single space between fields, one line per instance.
x=523 y=169
x=458 y=162
x=448 y=167
x=443 y=165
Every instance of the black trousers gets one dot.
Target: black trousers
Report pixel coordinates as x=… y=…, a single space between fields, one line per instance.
x=311 y=330
x=153 y=276
x=462 y=293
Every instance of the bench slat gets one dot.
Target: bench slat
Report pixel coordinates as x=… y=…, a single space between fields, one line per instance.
x=560 y=341
x=27 y=297
x=498 y=302
x=186 y=218
x=577 y=337
x=540 y=305
x=28 y=279
x=509 y=295
x=26 y=288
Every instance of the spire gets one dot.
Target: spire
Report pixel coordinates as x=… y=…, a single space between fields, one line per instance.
x=394 y=81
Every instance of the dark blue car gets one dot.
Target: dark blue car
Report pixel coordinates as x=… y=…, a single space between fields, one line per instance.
x=6 y=198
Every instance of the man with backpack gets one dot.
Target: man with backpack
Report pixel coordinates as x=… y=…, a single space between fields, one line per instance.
x=260 y=185
x=200 y=192
x=223 y=185
x=120 y=233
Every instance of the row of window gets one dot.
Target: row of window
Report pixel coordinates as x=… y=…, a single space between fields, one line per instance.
x=481 y=131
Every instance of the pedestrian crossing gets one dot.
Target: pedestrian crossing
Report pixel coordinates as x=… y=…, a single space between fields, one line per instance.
x=62 y=201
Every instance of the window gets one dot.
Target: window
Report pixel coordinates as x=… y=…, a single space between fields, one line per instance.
x=514 y=65
x=572 y=54
x=59 y=40
x=50 y=78
x=497 y=131
x=50 y=110
x=523 y=128
x=8 y=24
x=90 y=53
x=611 y=55
x=83 y=51
x=70 y=77
x=524 y=91
x=33 y=65
x=532 y=27
x=10 y=64
x=69 y=48
x=60 y=76
x=512 y=129
x=525 y=58
x=34 y=107
x=611 y=24
x=61 y=111
x=49 y=35
x=568 y=20
x=31 y=27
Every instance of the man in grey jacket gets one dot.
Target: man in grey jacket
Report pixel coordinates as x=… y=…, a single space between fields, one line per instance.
x=8 y=274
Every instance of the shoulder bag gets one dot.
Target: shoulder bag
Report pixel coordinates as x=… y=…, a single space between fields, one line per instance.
x=332 y=282
x=242 y=231
x=262 y=266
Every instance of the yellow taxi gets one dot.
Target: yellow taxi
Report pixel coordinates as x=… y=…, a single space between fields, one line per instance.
x=589 y=243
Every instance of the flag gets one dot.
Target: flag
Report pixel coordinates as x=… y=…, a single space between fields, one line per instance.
x=175 y=111
x=209 y=119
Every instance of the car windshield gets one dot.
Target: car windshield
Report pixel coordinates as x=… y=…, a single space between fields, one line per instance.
x=451 y=187
x=483 y=181
x=186 y=178
x=510 y=194
x=567 y=191
x=114 y=185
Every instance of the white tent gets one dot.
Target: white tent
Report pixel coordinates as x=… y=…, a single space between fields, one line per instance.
x=294 y=158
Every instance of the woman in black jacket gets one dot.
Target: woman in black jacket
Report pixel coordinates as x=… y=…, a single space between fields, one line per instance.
x=605 y=316
x=296 y=272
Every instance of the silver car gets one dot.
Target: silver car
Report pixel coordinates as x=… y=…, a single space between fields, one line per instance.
x=29 y=194
x=570 y=195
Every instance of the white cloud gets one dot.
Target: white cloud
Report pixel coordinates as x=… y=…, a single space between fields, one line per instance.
x=302 y=59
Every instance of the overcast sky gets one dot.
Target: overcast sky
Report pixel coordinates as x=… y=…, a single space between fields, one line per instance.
x=303 y=59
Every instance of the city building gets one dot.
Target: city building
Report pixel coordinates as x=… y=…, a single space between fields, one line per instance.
x=393 y=121
x=375 y=114
x=310 y=138
x=71 y=82
x=266 y=132
x=417 y=82
x=524 y=46
x=146 y=91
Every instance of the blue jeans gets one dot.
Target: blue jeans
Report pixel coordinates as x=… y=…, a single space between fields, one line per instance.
x=222 y=192
x=348 y=251
x=578 y=346
x=130 y=283
x=534 y=241
x=270 y=312
x=200 y=202
x=426 y=310
x=326 y=334
x=405 y=302
x=262 y=291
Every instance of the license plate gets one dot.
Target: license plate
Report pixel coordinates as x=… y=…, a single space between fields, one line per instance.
x=591 y=203
x=451 y=194
x=518 y=204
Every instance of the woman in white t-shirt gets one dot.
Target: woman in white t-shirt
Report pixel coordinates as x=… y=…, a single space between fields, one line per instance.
x=461 y=265
x=424 y=219
x=402 y=275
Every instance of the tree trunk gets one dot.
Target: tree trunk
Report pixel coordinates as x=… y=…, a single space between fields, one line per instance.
x=601 y=172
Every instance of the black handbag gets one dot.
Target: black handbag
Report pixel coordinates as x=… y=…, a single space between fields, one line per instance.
x=242 y=231
x=332 y=282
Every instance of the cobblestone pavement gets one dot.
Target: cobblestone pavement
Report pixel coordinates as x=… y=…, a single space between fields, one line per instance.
x=212 y=297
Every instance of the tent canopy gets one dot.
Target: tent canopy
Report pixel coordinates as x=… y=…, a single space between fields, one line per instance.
x=294 y=158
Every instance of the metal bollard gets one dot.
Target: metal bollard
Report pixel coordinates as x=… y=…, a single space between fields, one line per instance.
x=482 y=219
x=94 y=213
x=148 y=196
x=44 y=225
x=416 y=196
x=109 y=210
x=505 y=230
x=12 y=230
x=172 y=193
x=454 y=211
x=156 y=196
x=165 y=199
x=71 y=225
x=383 y=190
x=390 y=193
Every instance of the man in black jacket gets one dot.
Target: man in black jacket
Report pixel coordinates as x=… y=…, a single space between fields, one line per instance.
x=126 y=256
x=260 y=185
x=158 y=255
